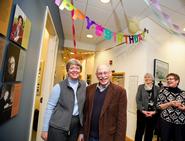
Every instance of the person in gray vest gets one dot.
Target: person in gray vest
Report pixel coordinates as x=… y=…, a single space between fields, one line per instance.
x=64 y=113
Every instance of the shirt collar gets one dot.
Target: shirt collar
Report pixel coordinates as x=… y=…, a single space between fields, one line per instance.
x=102 y=88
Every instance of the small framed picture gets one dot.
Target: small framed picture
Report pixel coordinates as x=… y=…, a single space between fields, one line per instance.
x=161 y=69
x=20 y=30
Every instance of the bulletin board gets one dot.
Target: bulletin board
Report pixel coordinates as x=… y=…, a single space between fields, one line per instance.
x=119 y=78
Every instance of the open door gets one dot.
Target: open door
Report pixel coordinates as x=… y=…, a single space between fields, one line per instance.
x=45 y=75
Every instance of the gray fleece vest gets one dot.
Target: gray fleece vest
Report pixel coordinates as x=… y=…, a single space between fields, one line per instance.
x=62 y=114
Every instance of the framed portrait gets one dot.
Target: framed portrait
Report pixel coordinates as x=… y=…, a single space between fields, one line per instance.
x=20 y=30
x=5 y=102
x=161 y=69
x=10 y=96
x=2 y=48
x=11 y=63
x=5 y=10
x=14 y=63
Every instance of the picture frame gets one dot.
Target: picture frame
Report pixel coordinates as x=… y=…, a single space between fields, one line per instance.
x=21 y=27
x=14 y=63
x=11 y=62
x=161 y=69
x=5 y=10
x=119 y=78
x=5 y=102
x=10 y=95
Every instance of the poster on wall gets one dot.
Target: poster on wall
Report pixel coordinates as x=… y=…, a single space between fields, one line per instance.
x=2 y=48
x=21 y=27
x=5 y=10
x=11 y=63
x=5 y=102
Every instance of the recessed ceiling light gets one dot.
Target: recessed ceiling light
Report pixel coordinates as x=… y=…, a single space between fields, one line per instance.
x=105 y=1
x=184 y=29
x=89 y=36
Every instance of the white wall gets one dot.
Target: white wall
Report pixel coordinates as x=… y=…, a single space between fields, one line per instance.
x=137 y=60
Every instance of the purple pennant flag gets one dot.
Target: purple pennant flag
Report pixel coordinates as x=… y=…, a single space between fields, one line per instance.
x=155 y=1
x=167 y=18
x=57 y=2
x=157 y=6
x=176 y=27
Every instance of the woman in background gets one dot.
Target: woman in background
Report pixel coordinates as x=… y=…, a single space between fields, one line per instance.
x=146 y=99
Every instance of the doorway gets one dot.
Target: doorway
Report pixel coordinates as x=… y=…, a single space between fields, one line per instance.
x=45 y=75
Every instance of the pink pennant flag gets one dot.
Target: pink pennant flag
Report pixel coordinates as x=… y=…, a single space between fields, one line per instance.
x=57 y=2
x=176 y=27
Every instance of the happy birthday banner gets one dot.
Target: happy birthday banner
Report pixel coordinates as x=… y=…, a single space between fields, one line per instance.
x=100 y=30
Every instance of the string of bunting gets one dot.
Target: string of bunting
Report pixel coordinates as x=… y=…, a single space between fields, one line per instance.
x=164 y=18
x=99 y=29
x=73 y=30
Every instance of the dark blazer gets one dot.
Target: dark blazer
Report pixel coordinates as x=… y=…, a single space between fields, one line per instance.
x=142 y=97
x=113 y=117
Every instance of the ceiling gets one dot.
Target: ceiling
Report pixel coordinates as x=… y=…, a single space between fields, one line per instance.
x=111 y=16
x=81 y=54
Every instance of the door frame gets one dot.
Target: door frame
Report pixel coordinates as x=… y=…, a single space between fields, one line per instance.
x=52 y=45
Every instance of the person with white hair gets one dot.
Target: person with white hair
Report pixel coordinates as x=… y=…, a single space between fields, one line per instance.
x=105 y=109
x=146 y=99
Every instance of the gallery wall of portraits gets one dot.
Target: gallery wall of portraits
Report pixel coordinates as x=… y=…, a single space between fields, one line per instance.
x=14 y=39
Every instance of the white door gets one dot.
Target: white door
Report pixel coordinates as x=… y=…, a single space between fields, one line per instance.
x=48 y=74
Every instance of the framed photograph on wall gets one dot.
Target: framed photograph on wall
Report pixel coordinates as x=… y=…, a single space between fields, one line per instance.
x=10 y=95
x=21 y=27
x=5 y=10
x=11 y=63
x=5 y=102
x=161 y=69
x=119 y=78
x=14 y=63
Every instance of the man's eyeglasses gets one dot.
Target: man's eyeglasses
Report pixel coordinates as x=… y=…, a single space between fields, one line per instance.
x=103 y=73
